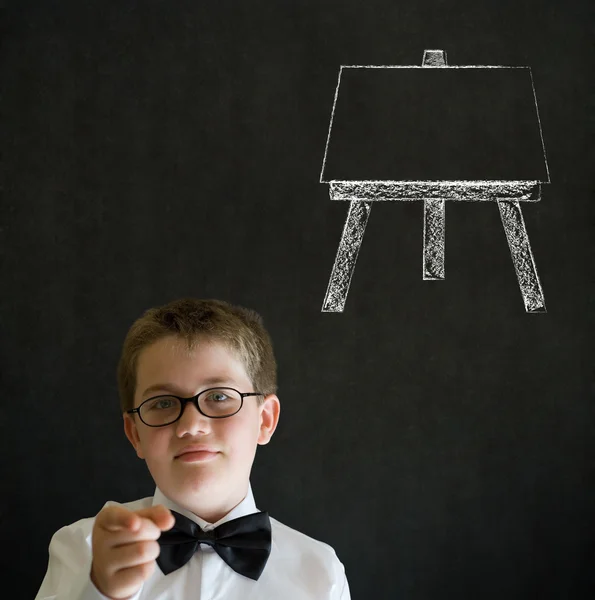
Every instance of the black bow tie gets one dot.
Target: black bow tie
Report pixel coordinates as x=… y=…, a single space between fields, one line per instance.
x=243 y=543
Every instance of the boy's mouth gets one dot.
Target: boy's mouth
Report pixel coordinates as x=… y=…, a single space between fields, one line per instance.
x=198 y=449
x=197 y=456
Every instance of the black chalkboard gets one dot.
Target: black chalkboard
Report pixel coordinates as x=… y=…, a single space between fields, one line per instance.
x=435 y=433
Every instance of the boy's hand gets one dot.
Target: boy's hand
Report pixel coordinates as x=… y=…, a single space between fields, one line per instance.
x=125 y=548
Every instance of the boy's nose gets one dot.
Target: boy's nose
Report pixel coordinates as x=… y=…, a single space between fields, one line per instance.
x=193 y=420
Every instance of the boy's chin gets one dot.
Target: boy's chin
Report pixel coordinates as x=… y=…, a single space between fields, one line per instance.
x=197 y=478
x=195 y=490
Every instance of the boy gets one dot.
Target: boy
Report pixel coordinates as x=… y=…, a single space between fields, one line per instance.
x=197 y=383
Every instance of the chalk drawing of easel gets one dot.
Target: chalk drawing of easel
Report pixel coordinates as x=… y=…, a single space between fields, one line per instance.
x=357 y=177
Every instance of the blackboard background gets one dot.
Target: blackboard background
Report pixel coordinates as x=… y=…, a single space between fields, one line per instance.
x=436 y=435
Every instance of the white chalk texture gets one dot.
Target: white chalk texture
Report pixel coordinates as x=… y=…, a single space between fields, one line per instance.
x=471 y=134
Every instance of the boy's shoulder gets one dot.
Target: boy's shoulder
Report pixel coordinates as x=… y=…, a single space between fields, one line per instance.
x=292 y=541
x=289 y=535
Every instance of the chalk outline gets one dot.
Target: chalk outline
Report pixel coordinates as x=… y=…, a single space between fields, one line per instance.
x=434 y=208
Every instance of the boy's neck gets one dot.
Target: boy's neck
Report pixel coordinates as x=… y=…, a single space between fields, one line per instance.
x=212 y=514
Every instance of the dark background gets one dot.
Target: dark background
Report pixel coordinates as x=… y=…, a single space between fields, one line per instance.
x=439 y=437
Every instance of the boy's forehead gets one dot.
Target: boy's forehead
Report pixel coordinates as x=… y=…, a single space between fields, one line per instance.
x=171 y=358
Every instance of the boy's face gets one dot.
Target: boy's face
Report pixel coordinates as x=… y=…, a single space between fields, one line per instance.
x=208 y=488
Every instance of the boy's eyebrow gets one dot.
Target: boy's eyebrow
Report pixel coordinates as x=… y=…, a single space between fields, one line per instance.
x=174 y=389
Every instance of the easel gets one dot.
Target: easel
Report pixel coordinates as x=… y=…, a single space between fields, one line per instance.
x=361 y=195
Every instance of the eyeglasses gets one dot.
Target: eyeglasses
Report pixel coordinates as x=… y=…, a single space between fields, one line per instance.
x=215 y=403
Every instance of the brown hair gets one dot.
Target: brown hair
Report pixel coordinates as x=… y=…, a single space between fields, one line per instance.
x=240 y=329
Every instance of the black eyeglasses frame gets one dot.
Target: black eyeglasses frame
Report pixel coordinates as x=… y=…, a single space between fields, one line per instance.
x=194 y=400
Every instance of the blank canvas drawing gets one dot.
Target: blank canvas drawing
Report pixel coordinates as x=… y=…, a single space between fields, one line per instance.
x=434 y=133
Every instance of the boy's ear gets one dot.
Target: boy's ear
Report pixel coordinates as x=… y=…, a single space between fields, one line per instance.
x=132 y=434
x=269 y=417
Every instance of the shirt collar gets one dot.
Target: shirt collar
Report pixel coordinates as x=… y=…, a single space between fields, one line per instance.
x=246 y=507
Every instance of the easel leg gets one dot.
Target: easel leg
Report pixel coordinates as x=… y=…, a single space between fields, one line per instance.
x=351 y=240
x=434 y=234
x=522 y=257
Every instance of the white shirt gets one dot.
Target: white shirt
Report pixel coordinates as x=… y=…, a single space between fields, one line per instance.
x=299 y=567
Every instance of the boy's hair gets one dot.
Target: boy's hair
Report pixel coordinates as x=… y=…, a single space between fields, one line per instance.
x=239 y=329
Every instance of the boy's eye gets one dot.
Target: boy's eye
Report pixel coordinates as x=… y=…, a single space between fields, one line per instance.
x=162 y=403
x=217 y=396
